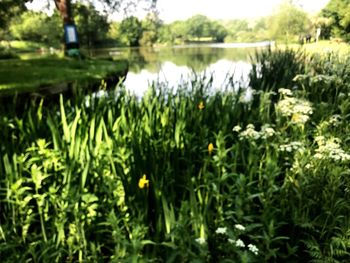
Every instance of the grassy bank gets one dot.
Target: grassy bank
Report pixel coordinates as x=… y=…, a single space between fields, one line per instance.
x=190 y=176
x=31 y=74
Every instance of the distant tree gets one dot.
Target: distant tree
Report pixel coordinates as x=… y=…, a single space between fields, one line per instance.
x=131 y=31
x=288 y=22
x=150 y=29
x=179 y=30
x=9 y=9
x=339 y=13
x=37 y=27
x=235 y=28
x=93 y=26
x=218 y=32
x=198 y=26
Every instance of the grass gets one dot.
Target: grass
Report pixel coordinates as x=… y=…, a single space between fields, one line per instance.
x=322 y=47
x=189 y=176
x=23 y=75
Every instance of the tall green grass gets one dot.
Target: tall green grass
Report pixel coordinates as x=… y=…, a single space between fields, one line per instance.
x=222 y=179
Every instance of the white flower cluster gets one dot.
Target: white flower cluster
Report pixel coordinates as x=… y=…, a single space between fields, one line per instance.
x=250 y=133
x=253 y=249
x=291 y=147
x=330 y=149
x=267 y=131
x=237 y=243
x=221 y=230
x=298 y=109
x=239 y=227
x=285 y=92
x=334 y=120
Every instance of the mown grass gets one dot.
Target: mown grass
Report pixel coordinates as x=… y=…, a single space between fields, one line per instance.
x=190 y=175
x=31 y=74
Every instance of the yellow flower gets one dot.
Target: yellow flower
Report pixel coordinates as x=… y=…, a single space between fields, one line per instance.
x=201 y=105
x=143 y=182
x=210 y=148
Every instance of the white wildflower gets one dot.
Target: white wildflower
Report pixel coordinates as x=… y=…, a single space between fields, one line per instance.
x=253 y=249
x=237 y=128
x=299 y=110
x=221 y=230
x=239 y=227
x=285 y=92
x=249 y=133
x=239 y=243
x=292 y=146
x=200 y=240
x=267 y=131
x=334 y=120
x=330 y=149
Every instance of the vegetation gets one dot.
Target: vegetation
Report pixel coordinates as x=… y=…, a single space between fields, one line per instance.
x=24 y=75
x=288 y=24
x=185 y=175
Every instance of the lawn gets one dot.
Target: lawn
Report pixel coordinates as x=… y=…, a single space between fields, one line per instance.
x=24 y=75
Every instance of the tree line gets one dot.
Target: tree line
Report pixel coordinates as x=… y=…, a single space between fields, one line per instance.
x=288 y=23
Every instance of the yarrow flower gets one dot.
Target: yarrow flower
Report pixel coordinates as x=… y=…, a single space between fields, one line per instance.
x=200 y=240
x=253 y=249
x=249 y=133
x=201 y=105
x=239 y=227
x=330 y=149
x=143 y=182
x=239 y=243
x=267 y=131
x=237 y=128
x=285 y=92
x=221 y=230
x=299 y=110
x=292 y=146
x=210 y=148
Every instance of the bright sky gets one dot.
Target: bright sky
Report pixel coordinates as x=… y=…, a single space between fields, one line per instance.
x=227 y=9
x=171 y=10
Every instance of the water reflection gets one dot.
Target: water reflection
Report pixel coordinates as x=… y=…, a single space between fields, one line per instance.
x=175 y=64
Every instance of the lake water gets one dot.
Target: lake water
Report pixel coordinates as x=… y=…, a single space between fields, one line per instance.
x=176 y=64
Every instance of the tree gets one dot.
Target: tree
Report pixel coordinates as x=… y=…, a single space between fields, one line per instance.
x=339 y=13
x=288 y=22
x=8 y=9
x=198 y=26
x=93 y=26
x=38 y=27
x=131 y=30
x=150 y=29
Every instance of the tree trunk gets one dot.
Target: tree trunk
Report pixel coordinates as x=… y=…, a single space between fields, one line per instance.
x=71 y=43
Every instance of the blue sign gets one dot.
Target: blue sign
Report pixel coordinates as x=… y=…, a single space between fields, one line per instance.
x=71 y=35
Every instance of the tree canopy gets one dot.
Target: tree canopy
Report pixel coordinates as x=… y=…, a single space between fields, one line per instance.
x=339 y=13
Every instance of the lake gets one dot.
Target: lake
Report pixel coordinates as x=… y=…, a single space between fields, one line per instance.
x=178 y=63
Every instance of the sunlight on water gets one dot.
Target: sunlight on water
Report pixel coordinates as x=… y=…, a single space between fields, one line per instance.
x=173 y=75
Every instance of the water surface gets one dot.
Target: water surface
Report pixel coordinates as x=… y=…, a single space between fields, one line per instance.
x=175 y=64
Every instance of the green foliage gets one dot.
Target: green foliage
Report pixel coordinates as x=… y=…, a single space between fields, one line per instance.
x=37 y=27
x=9 y=9
x=6 y=53
x=288 y=22
x=338 y=12
x=228 y=179
x=131 y=31
x=92 y=25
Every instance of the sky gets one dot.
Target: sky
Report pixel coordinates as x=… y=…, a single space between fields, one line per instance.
x=171 y=10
